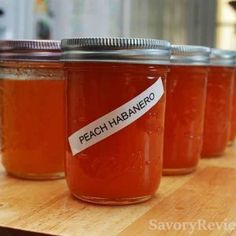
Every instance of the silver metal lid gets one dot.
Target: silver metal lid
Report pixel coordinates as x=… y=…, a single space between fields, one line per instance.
x=220 y=57
x=30 y=50
x=123 y=50
x=190 y=54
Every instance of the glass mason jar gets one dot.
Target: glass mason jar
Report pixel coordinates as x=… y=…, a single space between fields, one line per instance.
x=233 y=116
x=185 y=106
x=115 y=124
x=32 y=109
x=218 y=103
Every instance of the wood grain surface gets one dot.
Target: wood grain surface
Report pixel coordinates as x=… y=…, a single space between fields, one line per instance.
x=202 y=203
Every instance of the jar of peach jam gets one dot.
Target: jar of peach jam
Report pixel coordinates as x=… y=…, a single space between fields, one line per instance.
x=32 y=127
x=185 y=106
x=218 y=103
x=233 y=116
x=115 y=117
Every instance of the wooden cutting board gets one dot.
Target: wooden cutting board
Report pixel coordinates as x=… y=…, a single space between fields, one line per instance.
x=206 y=197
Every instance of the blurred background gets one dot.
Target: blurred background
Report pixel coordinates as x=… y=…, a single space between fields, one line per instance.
x=202 y=22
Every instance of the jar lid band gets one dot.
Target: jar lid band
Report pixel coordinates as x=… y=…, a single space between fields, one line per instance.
x=190 y=54
x=35 y=50
x=222 y=57
x=125 y=50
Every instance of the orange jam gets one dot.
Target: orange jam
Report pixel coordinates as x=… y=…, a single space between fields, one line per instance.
x=185 y=104
x=218 y=111
x=32 y=117
x=233 y=115
x=125 y=167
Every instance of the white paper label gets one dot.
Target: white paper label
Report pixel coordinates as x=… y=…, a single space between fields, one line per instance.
x=117 y=119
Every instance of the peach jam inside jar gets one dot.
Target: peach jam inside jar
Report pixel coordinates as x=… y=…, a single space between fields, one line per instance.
x=185 y=105
x=218 y=103
x=115 y=117
x=32 y=127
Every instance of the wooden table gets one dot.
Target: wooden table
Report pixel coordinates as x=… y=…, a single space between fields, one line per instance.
x=206 y=196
